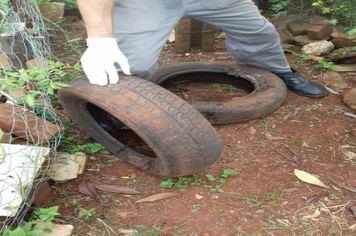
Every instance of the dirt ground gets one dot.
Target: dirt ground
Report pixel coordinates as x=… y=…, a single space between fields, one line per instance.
x=315 y=135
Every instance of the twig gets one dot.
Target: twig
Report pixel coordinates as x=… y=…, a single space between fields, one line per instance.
x=344 y=186
x=7 y=95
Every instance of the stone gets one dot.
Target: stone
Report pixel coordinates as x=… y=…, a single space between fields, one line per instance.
x=283 y=21
x=34 y=129
x=58 y=230
x=285 y=36
x=52 y=12
x=4 y=61
x=43 y=193
x=67 y=166
x=349 y=98
x=5 y=138
x=302 y=40
x=319 y=30
x=335 y=81
x=298 y=28
x=290 y=47
x=318 y=48
x=343 y=39
x=343 y=55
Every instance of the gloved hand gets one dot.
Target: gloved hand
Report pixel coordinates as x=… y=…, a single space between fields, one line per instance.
x=99 y=59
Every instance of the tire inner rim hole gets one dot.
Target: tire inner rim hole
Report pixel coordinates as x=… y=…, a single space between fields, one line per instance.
x=208 y=86
x=120 y=131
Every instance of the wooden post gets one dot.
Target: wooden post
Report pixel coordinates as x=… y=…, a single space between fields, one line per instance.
x=182 y=33
x=193 y=33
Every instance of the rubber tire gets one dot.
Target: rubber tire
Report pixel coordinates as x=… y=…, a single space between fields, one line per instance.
x=266 y=90
x=183 y=141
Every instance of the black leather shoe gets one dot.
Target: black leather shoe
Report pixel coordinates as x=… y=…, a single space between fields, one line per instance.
x=298 y=84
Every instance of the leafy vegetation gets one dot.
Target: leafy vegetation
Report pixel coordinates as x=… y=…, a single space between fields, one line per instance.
x=44 y=80
x=278 y=7
x=339 y=11
x=40 y=221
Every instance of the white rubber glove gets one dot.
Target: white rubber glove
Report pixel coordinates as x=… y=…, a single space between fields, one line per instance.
x=99 y=59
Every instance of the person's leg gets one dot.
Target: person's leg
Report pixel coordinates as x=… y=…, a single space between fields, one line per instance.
x=141 y=30
x=252 y=40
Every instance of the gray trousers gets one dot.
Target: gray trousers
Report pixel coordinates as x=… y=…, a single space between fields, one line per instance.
x=143 y=26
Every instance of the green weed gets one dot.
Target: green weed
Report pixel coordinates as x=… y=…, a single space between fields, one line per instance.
x=147 y=231
x=215 y=85
x=89 y=147
x=325 y=65
x=86 y=213
x=32 y=228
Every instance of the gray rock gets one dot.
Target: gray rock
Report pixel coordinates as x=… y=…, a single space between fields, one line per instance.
x=318 y=48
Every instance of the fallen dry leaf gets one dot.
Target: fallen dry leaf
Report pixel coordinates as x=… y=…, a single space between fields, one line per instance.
x=309 y=178
x=88 y=189
x=353 y=227
x=290 y=190
x=185 y=96
x=312 y=199
x=349 y=155
x=291 y=115
x=349 y=114
x=117 y=189
x=285 y=222
x=272 y=138
x=156 y=197
x=286 y=117
x=197 y=196
x=314 y=215
x=252 y=130
x=292 y=159
x=353 y=211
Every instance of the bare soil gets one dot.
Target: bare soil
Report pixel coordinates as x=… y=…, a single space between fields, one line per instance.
x=266 y=198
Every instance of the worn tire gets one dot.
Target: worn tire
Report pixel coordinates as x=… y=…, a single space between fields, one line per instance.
x=266 y=90
x=182 y=140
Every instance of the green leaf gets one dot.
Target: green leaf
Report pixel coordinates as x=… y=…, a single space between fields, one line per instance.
x=18 y=232
x=223 y=180
x=141 y=227
x=210 y=177
x=30 y=100
x=60 y=84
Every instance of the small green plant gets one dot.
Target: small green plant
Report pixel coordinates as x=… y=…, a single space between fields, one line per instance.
x=226 y=174
x=215 y=85
x=213 y=188
x=232 y=88
x=325 y=65
x=338 y=11
x=32 y=227
x=49 y=79
x=278 y=7
x=181 y=183
x=89 y=147
x=147 y=231
x=86 y=213
x=311 y=107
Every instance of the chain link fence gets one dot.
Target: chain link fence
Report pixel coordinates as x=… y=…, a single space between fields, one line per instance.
x=29 y=127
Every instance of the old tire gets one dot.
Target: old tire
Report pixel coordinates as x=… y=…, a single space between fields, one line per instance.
x=182 y=141
x=265 y=90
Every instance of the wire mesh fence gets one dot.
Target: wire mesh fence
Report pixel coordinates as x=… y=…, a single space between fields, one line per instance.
x=29 y=127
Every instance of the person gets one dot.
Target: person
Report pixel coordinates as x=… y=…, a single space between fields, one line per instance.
x=128 y=36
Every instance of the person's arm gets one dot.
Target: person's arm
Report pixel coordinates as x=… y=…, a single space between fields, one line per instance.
x=98 y=17
x=103 y=53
